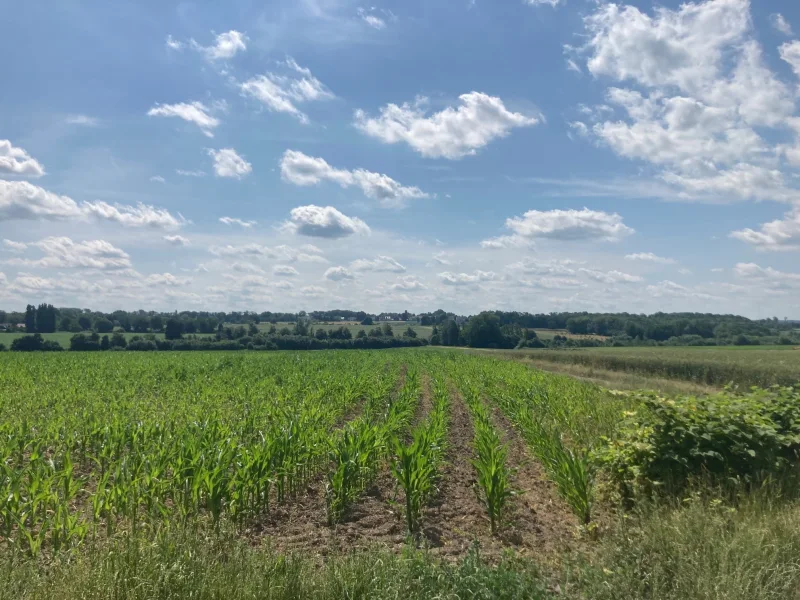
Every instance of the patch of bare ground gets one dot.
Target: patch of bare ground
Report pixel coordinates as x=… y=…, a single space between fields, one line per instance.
x=538 y=518
x=376 y=519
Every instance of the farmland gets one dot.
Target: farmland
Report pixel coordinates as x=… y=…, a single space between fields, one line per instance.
x=707 y=366
x=316 y=474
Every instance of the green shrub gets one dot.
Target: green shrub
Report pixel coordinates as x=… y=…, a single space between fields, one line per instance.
x=666 y=443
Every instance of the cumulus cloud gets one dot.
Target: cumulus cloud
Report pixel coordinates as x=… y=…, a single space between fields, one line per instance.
x=285 y=271
x=282 y=93
x=16 y=161
x=166 y=279
x=173 y=44
x=62 y=252
x=569 y=225
x=552 y=3
x=226 y=46
x=157 y=179
x=301 y=169
x=339 y=274
x=543 y=267
x=610 y=277
x=313 y=291
x=706 y=94
x=141 y=215
x=779 y=23
x=767 y=276
x=409 y=283
x=239 y=222
x=506 y=241
x=227 y=163
x=325 y=222
x=176 y=240
x=14 y=247
x=780 y=235
x=192 y=112
x=305 y=253
x=24 y=201
x=452 y=133
x=790 y=52
x=461 y=279
x=650 y=257
x=380 y=264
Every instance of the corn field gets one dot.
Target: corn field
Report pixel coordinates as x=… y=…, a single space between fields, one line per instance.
x=98 y=446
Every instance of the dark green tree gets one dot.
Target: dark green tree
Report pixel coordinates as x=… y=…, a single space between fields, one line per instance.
x=174 y=329
x=30 y=318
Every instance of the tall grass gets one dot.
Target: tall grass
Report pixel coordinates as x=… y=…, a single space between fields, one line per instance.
x=696 y=550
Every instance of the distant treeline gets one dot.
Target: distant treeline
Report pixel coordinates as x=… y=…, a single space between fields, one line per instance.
x=300 y=337
x=490 y=329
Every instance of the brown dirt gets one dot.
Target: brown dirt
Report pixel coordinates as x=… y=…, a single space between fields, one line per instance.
x=538 y=515
x=375 y=520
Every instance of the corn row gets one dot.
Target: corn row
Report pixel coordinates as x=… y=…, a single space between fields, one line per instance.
x=416 y=466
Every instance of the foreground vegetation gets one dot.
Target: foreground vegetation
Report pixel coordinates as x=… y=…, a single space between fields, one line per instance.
x=169 y=475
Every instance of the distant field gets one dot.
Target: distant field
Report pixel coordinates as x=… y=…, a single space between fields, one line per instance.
x=713 y=366
x=63 y=337
x=549 y=334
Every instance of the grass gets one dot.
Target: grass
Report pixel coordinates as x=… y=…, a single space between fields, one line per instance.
x=63 y=337
x=696 y=549
x=704 y=366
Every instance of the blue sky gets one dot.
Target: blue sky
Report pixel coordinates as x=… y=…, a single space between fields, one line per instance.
x=550 y=155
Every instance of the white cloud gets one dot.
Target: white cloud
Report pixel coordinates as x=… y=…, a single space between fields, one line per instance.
x=83 y=120
x=384 y=264
x=552 y=283
x=176 y=240
x=552 y=3
x=313 y=291
x=767 y=276
x=141 y=215
x=227 y=163
x=166 y=279
x=506 y=241
x=451 y=133
x=370 y=19
x=543 y=267
x=790 y=52
x=611 y=277
x=192 y=112
x=779 y=22
x=281 y=93
x=325 y=222
x=22 y=200
x=239 y=222
x=706 y=96
x=305 y=253
x=460 y=279
x=338 y=274
x=226 y=45
x=196 y=173
x=409 y=283
x=668 y=288
x=650 y=257
x=157 y=179
x=62 y=252
x=301 y=169
x=18 y=162
x=569 y=225
x=14 y=247
x=241 y=267
x=782 y=234
x=173 y=44
x=285 y=271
